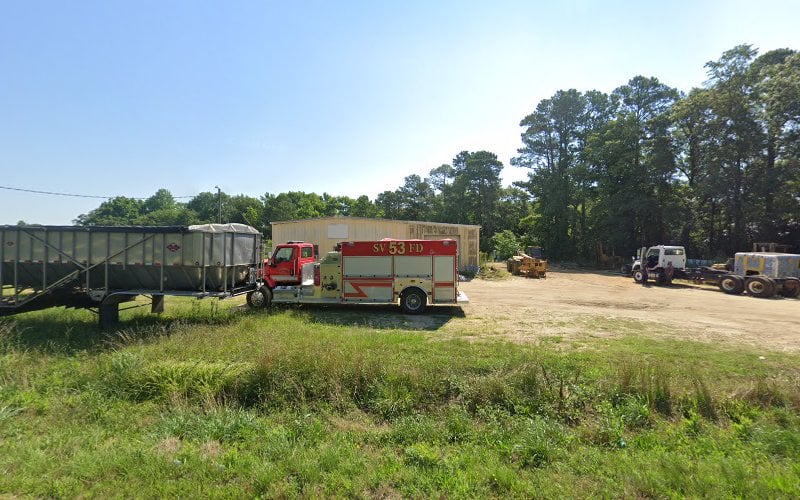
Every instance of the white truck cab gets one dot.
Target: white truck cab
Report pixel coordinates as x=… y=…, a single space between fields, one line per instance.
x=657 y=259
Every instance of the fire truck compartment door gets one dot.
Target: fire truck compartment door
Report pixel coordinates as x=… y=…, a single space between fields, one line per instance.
x=368 y=267
x=413 y=267
x=444 y=279
x=368 y=289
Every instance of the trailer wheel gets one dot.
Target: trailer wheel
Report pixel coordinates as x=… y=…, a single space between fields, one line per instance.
x=259 y=299
x=791 y=288
x=760 y=286
x=413 y=301
x=731 y=284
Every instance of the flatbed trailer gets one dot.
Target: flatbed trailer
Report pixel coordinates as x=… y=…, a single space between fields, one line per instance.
x=98 y=268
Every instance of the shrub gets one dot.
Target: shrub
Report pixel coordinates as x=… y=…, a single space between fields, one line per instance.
x=505 y=244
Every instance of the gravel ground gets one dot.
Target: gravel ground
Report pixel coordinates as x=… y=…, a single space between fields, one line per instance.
x=576 y=304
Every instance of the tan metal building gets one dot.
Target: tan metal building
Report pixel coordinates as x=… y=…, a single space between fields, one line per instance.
x=328 y=231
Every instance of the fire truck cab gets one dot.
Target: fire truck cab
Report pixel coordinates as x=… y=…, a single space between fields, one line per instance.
x=417 y=273
x=285 y=266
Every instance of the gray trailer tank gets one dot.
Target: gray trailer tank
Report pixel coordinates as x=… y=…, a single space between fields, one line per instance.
x=44 y=266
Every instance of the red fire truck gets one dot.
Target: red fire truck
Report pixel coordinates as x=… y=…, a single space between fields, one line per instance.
x=414 y=272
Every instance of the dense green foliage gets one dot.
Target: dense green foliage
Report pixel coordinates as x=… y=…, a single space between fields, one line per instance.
x=715 y=169
x=348 y=403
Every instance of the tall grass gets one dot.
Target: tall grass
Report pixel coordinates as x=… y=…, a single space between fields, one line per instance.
x=395 y=374
x=229 y=404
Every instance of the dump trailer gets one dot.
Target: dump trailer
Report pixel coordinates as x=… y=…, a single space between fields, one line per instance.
x=415 y=273
x=99 y=268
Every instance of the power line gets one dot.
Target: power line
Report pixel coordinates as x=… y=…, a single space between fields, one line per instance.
x=73 y=195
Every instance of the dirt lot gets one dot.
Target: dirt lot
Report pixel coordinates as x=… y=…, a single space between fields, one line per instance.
x=574 y=305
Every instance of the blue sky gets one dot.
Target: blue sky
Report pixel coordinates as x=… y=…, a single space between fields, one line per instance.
x=115 y=98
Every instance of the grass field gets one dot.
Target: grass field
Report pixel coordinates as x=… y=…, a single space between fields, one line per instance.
x=213 y=401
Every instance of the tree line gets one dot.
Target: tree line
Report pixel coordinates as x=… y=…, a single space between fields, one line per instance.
x=715 y=170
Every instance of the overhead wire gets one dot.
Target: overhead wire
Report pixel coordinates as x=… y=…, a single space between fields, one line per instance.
x=74 y=195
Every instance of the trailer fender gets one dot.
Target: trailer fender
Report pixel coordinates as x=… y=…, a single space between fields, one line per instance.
x=413 y=300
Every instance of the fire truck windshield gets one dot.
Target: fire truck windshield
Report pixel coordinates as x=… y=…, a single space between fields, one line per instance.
x=283 y=254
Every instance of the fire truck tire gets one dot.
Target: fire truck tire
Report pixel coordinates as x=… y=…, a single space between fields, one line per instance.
x=413 y=301
x=760 y=286
x=791 y=288
x=259 y=299
x=731 y=284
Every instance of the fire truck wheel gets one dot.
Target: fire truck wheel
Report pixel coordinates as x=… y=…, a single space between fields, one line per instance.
x=760 y=286
x=731 y=284
x=259 y=299
x=413 y=301
x=791 y=288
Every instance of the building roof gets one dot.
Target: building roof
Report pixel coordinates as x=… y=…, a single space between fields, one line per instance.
x=347 y=217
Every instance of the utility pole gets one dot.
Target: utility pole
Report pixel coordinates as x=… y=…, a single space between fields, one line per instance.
x=219 y=204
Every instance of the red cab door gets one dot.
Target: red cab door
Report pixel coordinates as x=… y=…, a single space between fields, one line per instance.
x=283 y=266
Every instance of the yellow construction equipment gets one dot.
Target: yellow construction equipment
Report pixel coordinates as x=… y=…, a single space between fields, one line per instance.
x=523 y=264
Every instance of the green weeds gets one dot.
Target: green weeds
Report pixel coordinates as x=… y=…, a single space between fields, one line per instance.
x=228 y=404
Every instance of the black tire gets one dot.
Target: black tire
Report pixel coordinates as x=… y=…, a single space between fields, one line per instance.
x=731 y=284
x=638 y=276
x=661 y=278
x=791 y=288
x=259 y=299
x=760 y=286
x=413 y=301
